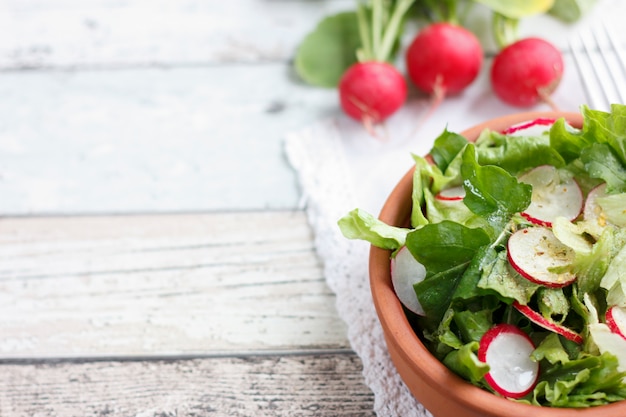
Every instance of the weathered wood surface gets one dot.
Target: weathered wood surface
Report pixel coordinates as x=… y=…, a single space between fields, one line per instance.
x=135 y=286
x=304 y=385
x=112 y=34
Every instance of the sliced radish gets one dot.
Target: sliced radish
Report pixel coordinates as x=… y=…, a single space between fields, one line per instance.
x=552 y=196
x=616 y=320
x=507 y=349
x=592 y=212
x=451 y=194
x=406 y=271
x=534 y=251
x=531 y=127
x=548 y=324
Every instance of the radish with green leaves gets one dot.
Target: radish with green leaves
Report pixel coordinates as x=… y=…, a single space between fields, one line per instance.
x=507 y=349
x=372 y=89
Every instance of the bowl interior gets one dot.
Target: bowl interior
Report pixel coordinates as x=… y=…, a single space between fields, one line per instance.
x=442 y=392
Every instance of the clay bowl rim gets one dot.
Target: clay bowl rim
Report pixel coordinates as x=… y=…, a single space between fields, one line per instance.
x=410 y=349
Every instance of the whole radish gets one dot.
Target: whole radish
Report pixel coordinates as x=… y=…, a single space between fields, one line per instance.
x=372 y=91
x=527 y=72
x=443 y=58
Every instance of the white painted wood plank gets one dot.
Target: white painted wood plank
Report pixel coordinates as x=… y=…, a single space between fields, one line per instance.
x=306 y=385
x=113 y=33
x=162 y=285
x=184 y=139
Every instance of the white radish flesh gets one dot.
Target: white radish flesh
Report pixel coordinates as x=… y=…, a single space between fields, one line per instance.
x=593 y=213
x=552 y=196
x=406 y=271
x=451 y=194
x=548 y=324
x=507 y=349
x=534 y=251
x=616 y=320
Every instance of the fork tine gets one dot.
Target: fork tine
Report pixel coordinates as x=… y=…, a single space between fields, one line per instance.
x=619 y=81
x=587 y=76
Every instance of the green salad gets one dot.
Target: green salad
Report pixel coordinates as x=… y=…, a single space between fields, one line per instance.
x=513 y=271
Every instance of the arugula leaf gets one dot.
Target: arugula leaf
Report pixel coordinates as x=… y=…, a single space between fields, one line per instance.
x=491 y=192
x=359 y=224
x=445 y=245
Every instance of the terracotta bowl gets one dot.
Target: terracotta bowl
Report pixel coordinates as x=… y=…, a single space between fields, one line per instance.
x=442 y=392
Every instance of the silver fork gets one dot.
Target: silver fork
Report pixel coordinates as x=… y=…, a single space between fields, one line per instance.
x=601 y=64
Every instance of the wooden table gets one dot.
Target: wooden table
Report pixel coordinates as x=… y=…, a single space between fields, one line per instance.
x=154 y=257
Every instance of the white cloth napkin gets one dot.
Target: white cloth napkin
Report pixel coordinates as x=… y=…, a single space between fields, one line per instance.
x=341 y=167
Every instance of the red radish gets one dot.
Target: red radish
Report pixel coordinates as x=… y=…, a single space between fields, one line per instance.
x=507 y=349
x=533 y=251
x=372 y=91
x=406 y=271
x=532 y=127
x=443 y=59
x=451 y=194
x=527 y=72
x=548 y=324
x=552 y=196
x=616 y=320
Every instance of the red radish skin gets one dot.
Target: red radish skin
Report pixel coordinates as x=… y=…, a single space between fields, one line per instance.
x=533 y=251
x=443 y=59
x=616 y=320
x=372 y=91
x=548 y=324
x=527 y=72
x=531 y=127
x=506 y=349
x=451 y=194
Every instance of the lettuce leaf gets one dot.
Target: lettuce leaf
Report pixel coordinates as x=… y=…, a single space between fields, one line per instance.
x=517 y=154
x=359 y=224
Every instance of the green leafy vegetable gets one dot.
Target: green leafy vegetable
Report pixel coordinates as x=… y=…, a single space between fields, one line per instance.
x=326 y=53
x=491 y=192
x=358 y=224
x=470 y=285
